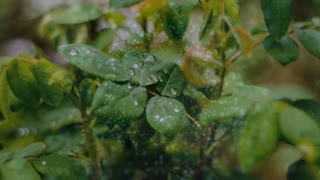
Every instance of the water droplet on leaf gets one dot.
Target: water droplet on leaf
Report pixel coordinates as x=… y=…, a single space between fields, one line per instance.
x=73 y=52
x=173 y=92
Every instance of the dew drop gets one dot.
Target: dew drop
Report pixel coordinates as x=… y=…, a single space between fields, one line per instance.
x=43 y=162
x=176 y=110
x=73 y=52
x=136 y=66
x=131 y=72
x=173 y=92
x=150 y=58
x=157 y=116
x=161 y=119
x=153 y=78
x=135 y=103
x=165 y=71
x=129 y=86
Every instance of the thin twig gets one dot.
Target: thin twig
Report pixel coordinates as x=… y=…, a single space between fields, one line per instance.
x=195 y=122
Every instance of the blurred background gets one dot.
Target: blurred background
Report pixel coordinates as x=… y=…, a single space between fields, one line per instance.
x=18 y=32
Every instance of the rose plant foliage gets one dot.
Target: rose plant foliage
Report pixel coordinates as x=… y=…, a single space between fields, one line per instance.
x=149 y=101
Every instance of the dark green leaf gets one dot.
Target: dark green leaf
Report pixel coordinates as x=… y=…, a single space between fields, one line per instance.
x=51 y=92
x=310 y=39
x=173 y=83
x=116 y=102
x=23 y=83
x=176 y=24
x=18 y=169
x=182 y=6
x=87 y=88
x=78 y=13
x=302 y=170
x=277 y=16
x=285 y=50
x=93 y=61
x=33 y=150
x=258 y=136
x=166 y=115
x=311 y=107
x=60 y=166
x=225 y=108
x=104 y=39
x=144 y=68
x=122 y=3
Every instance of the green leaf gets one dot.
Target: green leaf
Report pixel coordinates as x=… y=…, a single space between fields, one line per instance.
x=122 y=3
x=172 y=83
x=60 y=166
x=33 y=150
x=51 y=92
x=182 y=6
x=225 y=108
x=117 y=102
x=4 y=94
x=175 y=24
x=285 y=50
x=258 y=136
x=79 y=13
x=311 y=107
x=316 y=21
x=104 y=39
x=87 y=89
x=296 y=126
x=166 y=115
x=4 y=157
x=310 y=39
x=144 y=68
x=277 y=16
x=18 y=169
x=93 y=61
x=23 y=83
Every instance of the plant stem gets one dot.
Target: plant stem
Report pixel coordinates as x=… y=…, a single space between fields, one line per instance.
x=88 y=122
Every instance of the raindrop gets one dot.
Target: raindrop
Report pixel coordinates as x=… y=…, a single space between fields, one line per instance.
x=73 y=52
x=136 y=66
x=173 y=92
x=150 y=58
x=161 y=119
x=135 y=103
x=176 y=110
x=153 y=78
x=88 y=52
x=157 y=116
x=131 y=72
x=44 y=163
x=129 y=86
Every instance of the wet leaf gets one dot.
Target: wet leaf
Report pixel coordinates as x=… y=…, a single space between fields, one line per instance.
x=79 y=13
x=225 y=108
x=122 y=3
x=60 y=166
x=285 y=50
x=93 y=61
x=172 y=83
x=119 y=103
x=166 y=115
x=277 y=16
x=18 y=169
x=310 y=39
x=33 y=150
x=258 y=136
x=144 y=68
x=51 y=92
x=23 y=83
